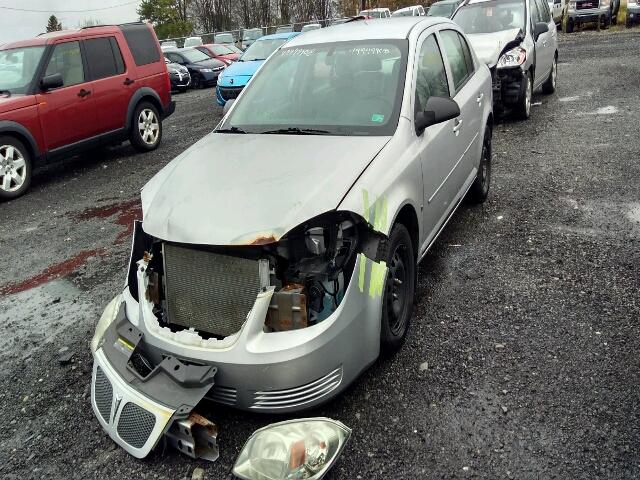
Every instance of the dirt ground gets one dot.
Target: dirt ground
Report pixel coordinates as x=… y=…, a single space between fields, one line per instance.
x=522 y=360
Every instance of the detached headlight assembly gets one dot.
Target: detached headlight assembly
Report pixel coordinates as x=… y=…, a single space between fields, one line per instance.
x=513 y=58
x=292 y=450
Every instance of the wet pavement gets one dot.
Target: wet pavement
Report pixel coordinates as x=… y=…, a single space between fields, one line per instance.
x=522 y=357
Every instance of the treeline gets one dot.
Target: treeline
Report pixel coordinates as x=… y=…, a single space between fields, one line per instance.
x=179 y=18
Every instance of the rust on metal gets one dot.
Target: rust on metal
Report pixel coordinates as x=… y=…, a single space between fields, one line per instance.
x=263 y=240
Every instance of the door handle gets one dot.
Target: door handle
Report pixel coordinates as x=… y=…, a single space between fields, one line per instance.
x=457 y=126
x=83 y=93
x=128 y=81
x=479 y=98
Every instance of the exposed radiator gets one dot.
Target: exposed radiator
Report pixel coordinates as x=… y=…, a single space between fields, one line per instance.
x=210 y=292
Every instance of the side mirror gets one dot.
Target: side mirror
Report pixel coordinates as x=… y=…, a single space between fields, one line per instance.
x=437 y=110
x=227 y=106
x=539 y=29
x=51 y=81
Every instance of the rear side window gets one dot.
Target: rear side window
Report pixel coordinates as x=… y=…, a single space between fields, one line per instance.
x=141 y=43
x=103 y=57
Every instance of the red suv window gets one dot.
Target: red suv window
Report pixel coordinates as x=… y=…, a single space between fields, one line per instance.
x=103 y=57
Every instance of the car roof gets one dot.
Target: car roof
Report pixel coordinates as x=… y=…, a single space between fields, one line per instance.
x=380 y=9
x=384 y=28
x=276 y=36
x=47 y=38
x=447 y=2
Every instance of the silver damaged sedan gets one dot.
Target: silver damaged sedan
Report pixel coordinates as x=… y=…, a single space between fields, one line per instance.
x=278 y=255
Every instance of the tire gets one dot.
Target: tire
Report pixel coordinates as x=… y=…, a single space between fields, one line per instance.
x=569 y=26
x=16 y=167
x=183 y=89
x=549 y=86
x=522 y=110
x=479 y=190
x=146 y=127
x=399 y=289
x=196 y=82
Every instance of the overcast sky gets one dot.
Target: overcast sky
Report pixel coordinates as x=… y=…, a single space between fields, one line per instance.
x=18 y=25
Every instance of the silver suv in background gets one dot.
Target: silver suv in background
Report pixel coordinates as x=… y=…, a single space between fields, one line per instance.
x=518 y=41
x=588 y=11
x=250 y=35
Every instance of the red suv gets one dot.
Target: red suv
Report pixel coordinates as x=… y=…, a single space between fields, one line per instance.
x=64 y=92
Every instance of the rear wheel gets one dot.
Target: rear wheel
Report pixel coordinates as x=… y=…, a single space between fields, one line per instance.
x=479 y=190
x=15 y=168
x=569 y=28
x=146 y=127
x=397 y=302
x=522 y=109
x=549 y=86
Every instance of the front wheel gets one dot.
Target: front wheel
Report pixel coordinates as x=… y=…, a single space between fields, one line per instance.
x=522 y=109
x=15 y=168
x=397 y=301
x=146 y=129
x=479 y=190
x=549 y=86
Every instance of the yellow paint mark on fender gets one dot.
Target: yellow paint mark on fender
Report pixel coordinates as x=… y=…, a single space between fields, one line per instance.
x=363 y=271
x=376 y=283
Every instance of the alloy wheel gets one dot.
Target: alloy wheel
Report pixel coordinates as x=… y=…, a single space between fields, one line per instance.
x=13 y=168
x=485 y=165
x=554 y=72
x=148 y=126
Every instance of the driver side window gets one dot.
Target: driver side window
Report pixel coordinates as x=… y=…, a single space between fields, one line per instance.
x=66 y=60
x=431 y=79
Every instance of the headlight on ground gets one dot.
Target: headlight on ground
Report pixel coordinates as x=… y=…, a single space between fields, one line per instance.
x=295 y=449
x=513 y=58
x=107 y=318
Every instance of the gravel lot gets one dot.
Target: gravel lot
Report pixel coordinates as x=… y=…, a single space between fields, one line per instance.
x=522 y=360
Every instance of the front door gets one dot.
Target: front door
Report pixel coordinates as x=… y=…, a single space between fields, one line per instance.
x=437 y=144
x=544 y=43
x=67 y=113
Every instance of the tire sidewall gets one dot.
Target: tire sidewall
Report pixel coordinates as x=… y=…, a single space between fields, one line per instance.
x=389 y=341
x=26 y=154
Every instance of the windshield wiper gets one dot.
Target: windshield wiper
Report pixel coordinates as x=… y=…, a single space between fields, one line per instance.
x=297 y=131
x=5 y=92
x=230 y=130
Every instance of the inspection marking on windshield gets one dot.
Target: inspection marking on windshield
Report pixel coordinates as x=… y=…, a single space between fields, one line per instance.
x=302 y=52
x=377 y=117
x=370 y=51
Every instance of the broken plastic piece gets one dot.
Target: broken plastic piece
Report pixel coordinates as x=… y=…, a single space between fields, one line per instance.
x=195 y=436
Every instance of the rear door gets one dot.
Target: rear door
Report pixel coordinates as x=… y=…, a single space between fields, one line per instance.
x=466 y=91
x=438 y=153
x=67 y=113
x=112 y=87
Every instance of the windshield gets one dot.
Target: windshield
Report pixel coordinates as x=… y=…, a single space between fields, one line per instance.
x=490 y=17
x=402 y=13
x=441 y=10
x=17 y=67
x=218 y=49
x=251 y=34
x=285 y=29
x=371 y=13
x=192 y=42
x=345 y=88
x=223 y=38
x=195 y=55
x=261 y=49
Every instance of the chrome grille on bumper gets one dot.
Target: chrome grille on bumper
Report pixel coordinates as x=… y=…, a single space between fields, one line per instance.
x=208 y=291
x=135 y=425
x=225 y=395
x=103 y=394
x=293 y=397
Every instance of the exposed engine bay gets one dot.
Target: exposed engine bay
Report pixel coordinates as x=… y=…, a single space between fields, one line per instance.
x=211 y=289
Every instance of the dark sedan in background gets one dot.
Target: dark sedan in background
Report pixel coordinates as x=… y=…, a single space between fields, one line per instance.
x=203 y=69
x=179 y=76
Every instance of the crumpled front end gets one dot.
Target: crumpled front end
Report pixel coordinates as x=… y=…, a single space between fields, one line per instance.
x=274 y=326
